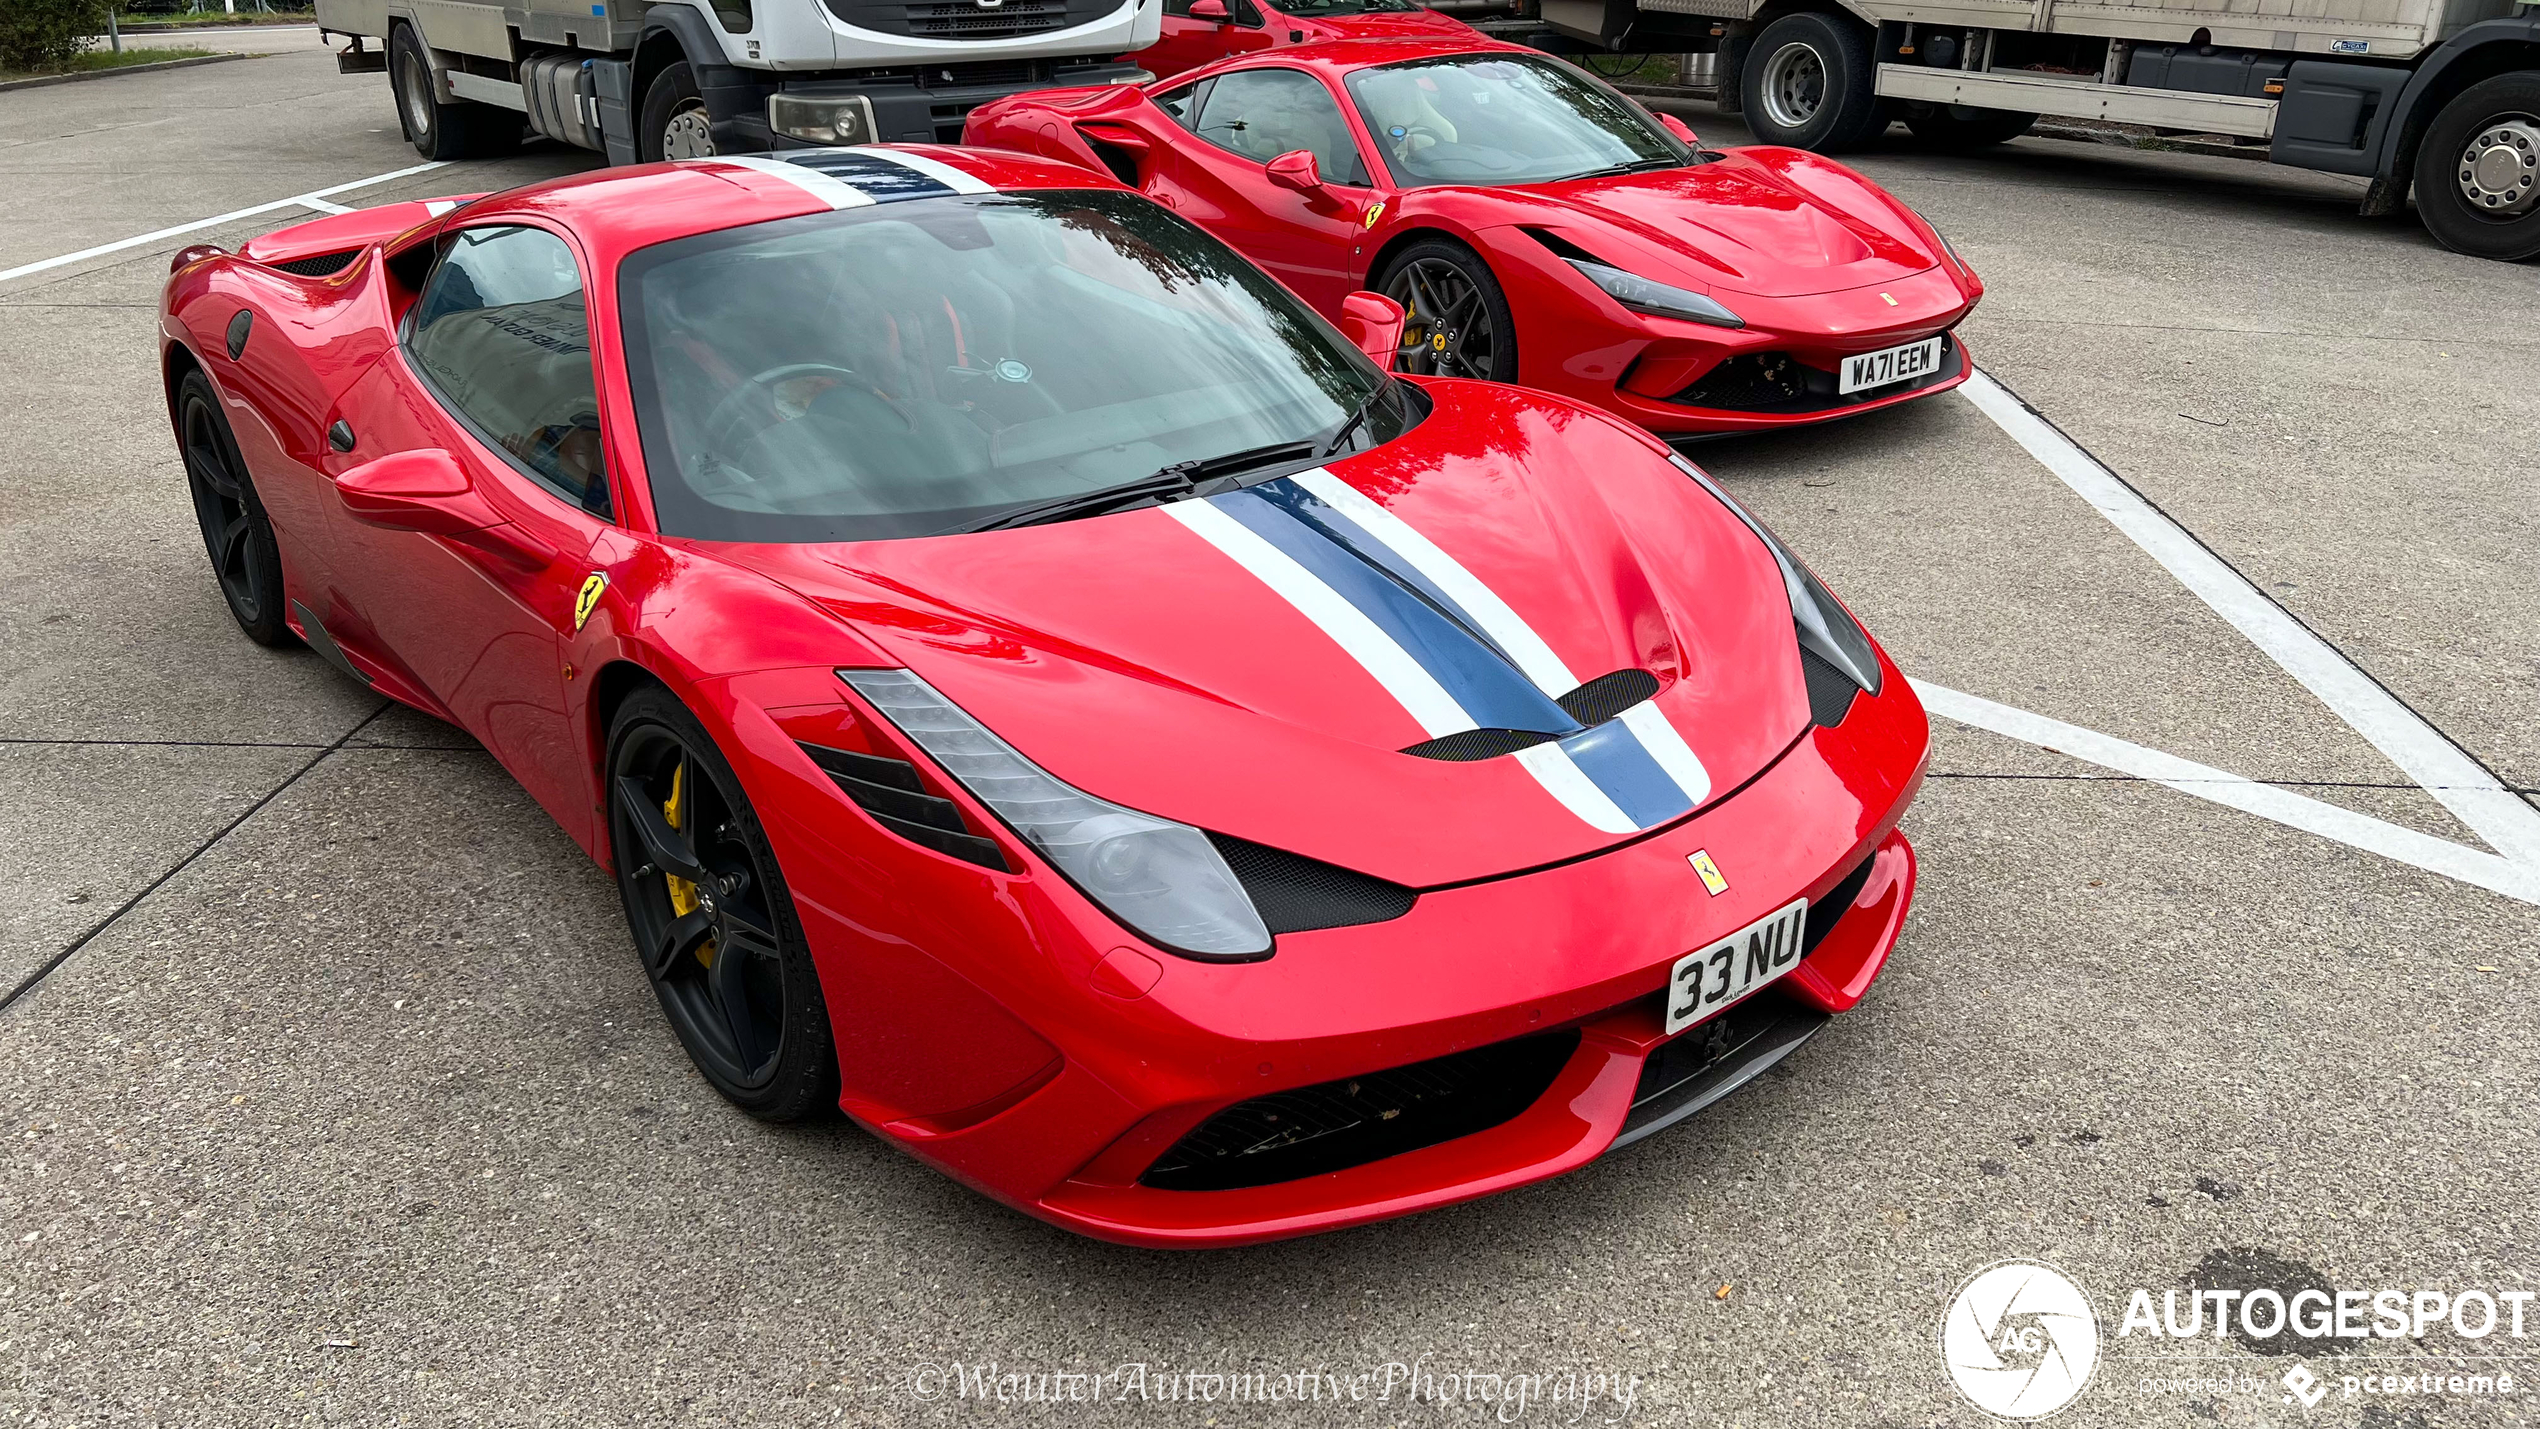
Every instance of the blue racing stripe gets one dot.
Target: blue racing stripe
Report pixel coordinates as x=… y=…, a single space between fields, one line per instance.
x=1314 y=511
x=1475 y=674
x=880 y=179
x=1612 y=758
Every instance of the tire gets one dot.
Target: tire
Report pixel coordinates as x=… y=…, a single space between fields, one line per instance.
x=675 y=123
x=237 y=536
x=723 y=948
x=458 y=129
x=1808 y=83
x=1958 y=126
x=2478 y=171
x=1458 y=320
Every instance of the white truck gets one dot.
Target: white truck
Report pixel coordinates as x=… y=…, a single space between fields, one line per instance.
x=642 y=80
x=2441 y=95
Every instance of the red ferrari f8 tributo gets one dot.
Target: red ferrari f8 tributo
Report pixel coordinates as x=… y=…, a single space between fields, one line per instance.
x=1041 y=689
x=1540 y=227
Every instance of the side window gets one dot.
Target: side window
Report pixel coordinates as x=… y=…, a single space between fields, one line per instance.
x=1183 y=104
x=505 y=337
x=1263 y=113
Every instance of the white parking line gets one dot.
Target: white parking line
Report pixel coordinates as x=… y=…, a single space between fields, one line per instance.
x=310 y=200
x=2495 y=813
x=2267 y=801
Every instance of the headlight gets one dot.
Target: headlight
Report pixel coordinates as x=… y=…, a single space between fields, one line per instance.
x=1824 y=625
x=1951 y=249
x=1162 y=878
x=822 y=118
x=1641 y=295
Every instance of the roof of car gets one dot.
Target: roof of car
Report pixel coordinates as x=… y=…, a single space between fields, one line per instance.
x=629 y=208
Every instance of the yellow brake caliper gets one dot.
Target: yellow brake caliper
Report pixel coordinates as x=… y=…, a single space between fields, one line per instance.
x=683 y=894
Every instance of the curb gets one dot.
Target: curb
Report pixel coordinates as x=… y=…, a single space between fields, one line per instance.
x=44 y=79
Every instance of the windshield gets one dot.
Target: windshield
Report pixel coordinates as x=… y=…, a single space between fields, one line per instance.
x=1504 y=119
x=918 y=367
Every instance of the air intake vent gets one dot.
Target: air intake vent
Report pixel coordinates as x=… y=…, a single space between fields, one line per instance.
x=1590 y=704
x=1830 y=691
x=1295 y=894
x=1336 y=1125
x=891 y=792
x=318 y=265
x=1606 y=696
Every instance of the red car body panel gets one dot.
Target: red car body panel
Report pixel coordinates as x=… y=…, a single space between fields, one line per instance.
x=1001 y=1026
x=1819 y=261
x=1187 y=43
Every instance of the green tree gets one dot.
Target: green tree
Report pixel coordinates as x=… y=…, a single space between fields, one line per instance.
x=45 y=34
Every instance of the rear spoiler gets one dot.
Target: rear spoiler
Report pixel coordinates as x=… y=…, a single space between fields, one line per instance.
x=347 y=232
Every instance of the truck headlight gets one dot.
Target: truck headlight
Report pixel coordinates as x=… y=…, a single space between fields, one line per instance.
x=1164 y=879
x=822 y=118
x=1644 y=295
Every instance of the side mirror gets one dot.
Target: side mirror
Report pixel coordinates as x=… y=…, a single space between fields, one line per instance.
x=1213 y=11
x=424 y=490
x=1296 y=168
x=1373 y=322
x=1680 y=129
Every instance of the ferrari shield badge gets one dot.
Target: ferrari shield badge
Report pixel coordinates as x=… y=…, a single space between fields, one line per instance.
x=1711 y=877
x=584 y=603
x=1375 y=211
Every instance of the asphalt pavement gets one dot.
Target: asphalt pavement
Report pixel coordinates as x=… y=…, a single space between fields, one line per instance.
x=343 y=1100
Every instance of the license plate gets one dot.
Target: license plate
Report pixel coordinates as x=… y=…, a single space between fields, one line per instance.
x=1736 y=967
x=1896 y=364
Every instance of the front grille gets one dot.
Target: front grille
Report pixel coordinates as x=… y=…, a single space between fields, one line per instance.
x=318 y=265
x=890 y=791
x=1333 y=1126
x=1778 y=384
x=968 y=19
x=1591 y=704
x=1296 y=894
x=1709 y=1062
x=1830 y=691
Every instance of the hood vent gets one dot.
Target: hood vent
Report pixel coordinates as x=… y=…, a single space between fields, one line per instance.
x=891 y=792
x=1591 y=704
x=1830 y=691
x=318 y=265
x=1296 y=894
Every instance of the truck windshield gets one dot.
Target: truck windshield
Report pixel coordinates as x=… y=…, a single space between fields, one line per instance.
x=921 y=367
x=1504 y=119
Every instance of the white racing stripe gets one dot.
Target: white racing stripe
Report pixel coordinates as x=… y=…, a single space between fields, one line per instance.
x=1363 y=640
x=1535 y=657
x=935 y=169
x=811 y=181
x=2475 y=797
x=1565 y=781
x=2267 y=801
x=307 y=200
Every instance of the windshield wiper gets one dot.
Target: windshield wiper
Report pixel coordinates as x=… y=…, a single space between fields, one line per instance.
x=1183 y=478
x=1357 y=417
x=1636 y=166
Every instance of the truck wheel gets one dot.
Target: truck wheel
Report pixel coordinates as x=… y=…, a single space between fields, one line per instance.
x=1807 y=83
x=2478 y=172
x=1959 y=126
x=675 y=121
x=456 y=130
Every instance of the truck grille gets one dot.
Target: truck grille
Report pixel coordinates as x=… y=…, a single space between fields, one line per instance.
x=968 y=19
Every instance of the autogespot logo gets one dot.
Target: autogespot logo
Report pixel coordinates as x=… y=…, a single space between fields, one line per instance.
x=2020 y=1340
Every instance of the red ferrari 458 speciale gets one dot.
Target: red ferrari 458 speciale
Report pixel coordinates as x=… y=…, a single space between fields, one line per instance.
x=1041 y=689
x=1198 y=32
x=1540 y=227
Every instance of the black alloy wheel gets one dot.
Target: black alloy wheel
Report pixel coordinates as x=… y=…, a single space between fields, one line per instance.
x=1456 y=319
x=236 y=534
x=713 y=925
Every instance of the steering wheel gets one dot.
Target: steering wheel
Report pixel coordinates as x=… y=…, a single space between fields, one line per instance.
x=730 y=412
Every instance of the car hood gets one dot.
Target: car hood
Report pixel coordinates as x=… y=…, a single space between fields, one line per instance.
x=1256 y=663
x=1777 y=223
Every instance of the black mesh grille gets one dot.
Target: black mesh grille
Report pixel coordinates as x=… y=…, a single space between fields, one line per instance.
x=1779 y=384
x=1295 y=894
x=1606 y=696
x=967 y=19
x=891 y=792
x=318 y=265
x=1336 y=1125
x=1830 y=691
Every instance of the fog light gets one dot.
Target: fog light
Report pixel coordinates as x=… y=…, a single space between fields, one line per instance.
x=822 y=119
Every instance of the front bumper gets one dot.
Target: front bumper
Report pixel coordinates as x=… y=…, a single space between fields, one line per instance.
x=1100 y=1074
